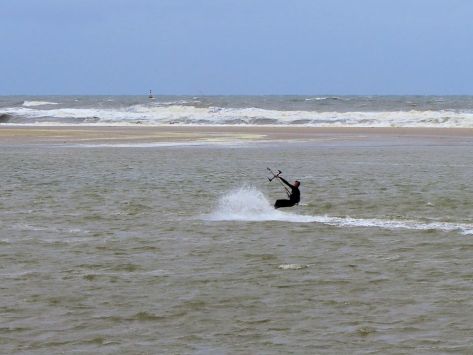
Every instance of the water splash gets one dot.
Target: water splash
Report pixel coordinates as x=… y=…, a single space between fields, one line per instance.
x=249 y=204
x=246 y=204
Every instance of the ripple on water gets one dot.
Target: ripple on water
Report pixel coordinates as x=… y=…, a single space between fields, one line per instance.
x=292 y=266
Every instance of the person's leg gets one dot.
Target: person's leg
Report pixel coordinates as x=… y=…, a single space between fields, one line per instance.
x=283 y=203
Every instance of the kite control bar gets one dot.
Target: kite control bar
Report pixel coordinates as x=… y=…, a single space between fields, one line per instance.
x=274 y=175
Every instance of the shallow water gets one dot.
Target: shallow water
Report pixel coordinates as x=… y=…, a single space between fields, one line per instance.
x=155 y=250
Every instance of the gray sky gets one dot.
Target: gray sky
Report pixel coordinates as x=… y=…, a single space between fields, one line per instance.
x=236 y=46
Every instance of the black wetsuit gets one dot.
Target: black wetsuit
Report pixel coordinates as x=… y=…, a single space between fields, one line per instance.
x=294 y=197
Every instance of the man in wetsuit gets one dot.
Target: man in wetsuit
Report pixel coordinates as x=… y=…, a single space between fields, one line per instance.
x=294 y=196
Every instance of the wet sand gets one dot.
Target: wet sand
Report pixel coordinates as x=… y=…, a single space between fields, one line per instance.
x=170 y=133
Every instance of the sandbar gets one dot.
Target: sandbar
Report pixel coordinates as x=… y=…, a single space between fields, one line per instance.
x=31 y=134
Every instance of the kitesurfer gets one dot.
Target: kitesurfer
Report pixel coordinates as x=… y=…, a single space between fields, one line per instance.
x=294 y=195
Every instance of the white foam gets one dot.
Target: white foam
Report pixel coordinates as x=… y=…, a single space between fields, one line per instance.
x=186 y=114
x=292 y=266
x=249 y=204
x=178 y=102
x=316 y=98
x=38 y=103
x=322 y=98
x=246 y=204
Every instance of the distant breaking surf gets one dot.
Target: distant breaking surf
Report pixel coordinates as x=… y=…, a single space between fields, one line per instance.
x=178 y=114
x=38 y=103
x=247 y=204
x=303 y=111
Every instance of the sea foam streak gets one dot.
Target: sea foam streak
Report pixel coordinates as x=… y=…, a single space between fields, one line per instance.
x=249 y=204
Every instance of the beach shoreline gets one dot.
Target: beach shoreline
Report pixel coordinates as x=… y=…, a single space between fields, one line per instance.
x=34 y=134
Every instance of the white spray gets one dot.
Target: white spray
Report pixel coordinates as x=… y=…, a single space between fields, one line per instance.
x=249 y=204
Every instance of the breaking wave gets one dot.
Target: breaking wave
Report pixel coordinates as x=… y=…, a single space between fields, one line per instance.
x=38 y=103
x=250 y=205
x=4 y=118
x=185 y=113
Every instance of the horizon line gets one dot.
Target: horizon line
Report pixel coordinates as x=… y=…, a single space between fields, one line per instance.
x=234 y=95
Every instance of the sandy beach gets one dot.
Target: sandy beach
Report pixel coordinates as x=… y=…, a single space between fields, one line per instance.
x=29 y=134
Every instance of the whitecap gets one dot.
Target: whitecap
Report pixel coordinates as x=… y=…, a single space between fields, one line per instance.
x=292 y=266
x=190 y=114
x=316 y=98
x=38 y=103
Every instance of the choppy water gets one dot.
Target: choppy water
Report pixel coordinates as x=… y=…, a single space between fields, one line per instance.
x=177 y=250
x=318 y=111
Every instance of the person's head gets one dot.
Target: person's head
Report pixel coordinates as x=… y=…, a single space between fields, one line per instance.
x=297 y=183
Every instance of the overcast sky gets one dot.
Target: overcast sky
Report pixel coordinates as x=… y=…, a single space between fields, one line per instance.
x=236 y=47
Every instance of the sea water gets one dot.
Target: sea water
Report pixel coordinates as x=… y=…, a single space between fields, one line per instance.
x=177 y=249
x=316 y=111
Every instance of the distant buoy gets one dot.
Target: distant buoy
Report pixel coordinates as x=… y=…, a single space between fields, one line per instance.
x=150 y=96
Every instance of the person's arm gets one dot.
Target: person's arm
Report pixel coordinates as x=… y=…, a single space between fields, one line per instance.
x=284 y=181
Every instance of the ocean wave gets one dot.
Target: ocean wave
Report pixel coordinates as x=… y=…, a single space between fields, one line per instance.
x=323 y=98
x=247 y=204
x=4 y=117
x=190 y=114
x=38 y=103
x=178 y=102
